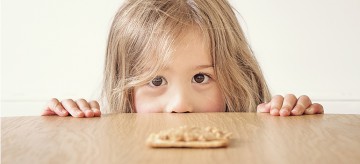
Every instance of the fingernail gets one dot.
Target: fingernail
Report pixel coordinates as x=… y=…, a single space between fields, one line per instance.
x=274 y=111
x=295 y=112
x=309 y=110
x=96 y=111
x=89 y=112
x=284 y=111
x=78 y=112
x=62 y=110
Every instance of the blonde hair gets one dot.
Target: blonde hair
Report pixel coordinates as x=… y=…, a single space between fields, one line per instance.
x=142 y=35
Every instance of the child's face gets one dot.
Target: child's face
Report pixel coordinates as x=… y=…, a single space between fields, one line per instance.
x=187 y=84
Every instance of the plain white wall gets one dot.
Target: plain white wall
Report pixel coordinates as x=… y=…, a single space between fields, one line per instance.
x=56 y=49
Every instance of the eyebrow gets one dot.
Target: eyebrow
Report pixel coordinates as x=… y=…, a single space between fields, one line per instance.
x=204 y=66
x=197 y=67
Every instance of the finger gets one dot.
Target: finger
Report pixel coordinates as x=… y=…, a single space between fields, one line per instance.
x=315 y=109
x=54 y=107
x=264 y=108
x=303 y=103
x=95 y=107
x=288 y=105
x=72 y=108
x=276 y=103
x=48 y=112
x=84 y=107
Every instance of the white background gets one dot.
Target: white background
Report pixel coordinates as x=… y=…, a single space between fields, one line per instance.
x=53 y=48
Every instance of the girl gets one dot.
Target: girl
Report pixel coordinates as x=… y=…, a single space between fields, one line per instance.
x=181 y=56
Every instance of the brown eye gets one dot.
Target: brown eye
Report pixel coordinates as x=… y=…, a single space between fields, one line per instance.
x=157 y=81
x=200 y=78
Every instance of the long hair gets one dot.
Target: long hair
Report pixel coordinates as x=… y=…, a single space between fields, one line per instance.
x=141 y=40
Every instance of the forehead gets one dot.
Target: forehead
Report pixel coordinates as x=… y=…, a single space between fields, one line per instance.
x=191 y=38
x=191 y=45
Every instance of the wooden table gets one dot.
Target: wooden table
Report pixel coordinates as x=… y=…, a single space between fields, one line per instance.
x=120 y=138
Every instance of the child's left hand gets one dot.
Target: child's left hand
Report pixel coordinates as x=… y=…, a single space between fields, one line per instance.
x=290 y=105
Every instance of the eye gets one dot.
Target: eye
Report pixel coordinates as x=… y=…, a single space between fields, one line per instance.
x=201 y=78
x=157 y=81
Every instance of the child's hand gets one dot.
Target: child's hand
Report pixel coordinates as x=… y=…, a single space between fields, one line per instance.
x=79 y=108
x=290 y=105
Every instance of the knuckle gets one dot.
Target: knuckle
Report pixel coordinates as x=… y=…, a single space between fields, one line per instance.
x=278 y=97
x=300 y=106
x=54 y=104
x=80 y=101
x=287 y=95
x=53 y=100
x=286 y=108
x=94 y=103
x=291 y=96
x=277 y=100
x=67 y=101
x=318 y=107
x=304 y=98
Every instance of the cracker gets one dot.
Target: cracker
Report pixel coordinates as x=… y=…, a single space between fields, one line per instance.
x=191 y=137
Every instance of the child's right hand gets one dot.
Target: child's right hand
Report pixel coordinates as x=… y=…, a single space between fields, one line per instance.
x=78 y=108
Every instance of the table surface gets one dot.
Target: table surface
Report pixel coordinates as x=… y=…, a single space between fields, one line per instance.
x=120 y=138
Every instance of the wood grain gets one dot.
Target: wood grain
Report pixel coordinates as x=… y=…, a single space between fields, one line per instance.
x=120 y=138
